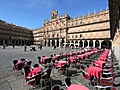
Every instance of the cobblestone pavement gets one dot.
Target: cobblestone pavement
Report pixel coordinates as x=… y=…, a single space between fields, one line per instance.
x=10 y=80
x=6 y=57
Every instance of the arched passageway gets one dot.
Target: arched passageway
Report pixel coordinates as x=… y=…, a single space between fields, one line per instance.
x=48 y=43
x=72 y=43
x=6 y=42
x=53 y=42
x=76 y=43
x=57 y=43
x=91 y=43
x=106 y=44
x=45 y=42
x=63 y=42
x=1 y=42
x=97 y=44
x=81 y=44
x=85 y=43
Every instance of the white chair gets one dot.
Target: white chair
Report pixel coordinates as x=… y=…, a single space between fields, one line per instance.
x=57 y=87
x=104 y=88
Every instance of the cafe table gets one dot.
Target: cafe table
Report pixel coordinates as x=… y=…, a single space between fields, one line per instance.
x=56 y=57
x=44 y=59
x=61 y=63
x=36 y=70
x=100 y=63
x=77 y=87
x=94 y=71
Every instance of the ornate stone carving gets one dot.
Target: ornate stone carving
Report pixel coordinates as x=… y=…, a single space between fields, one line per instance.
x=54 y=14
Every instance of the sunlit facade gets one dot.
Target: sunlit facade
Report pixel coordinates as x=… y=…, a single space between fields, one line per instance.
x=11 y=34
x=91 y=30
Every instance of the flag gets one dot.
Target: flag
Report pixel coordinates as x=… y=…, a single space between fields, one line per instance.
x=57 y=23
x=63 y=22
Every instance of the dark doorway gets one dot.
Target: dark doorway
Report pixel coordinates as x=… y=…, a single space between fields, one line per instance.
x=91 y=43
x=85 y=43
x=48 y=43
x=72 y=43
x=45 y=42
x=97 y=44
x=62 y=44
x=57 y=42
x=106 y=44
x=53 y=42
x=81 y=44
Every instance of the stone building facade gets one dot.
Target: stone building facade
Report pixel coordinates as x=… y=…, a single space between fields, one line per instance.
x=11 y=34
x=114 y=8
x=92 y=30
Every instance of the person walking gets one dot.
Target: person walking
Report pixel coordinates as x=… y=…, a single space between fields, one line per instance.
x=25 y=47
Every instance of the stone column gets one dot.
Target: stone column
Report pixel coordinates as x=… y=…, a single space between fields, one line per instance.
x=100 y=41
x=70 y=43
x=55 y=42
x=74 y=43
x=78 y=43
x=60 y=43
x=50 y=43
x=93 y=43
x=83 y=42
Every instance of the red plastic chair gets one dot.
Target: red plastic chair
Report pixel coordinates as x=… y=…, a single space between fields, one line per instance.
x=107 y=81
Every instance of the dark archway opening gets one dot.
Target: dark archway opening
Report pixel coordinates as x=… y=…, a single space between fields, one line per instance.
x=1 y=42
x=57 y=42
x=85 y=43
x=97 y=44
x=62 y=44
x=6 y=42
x=106 y=44
x=76 y=43
x=48 y=43
x=91 y=43
x=72 y=43
x=45 y=42
x=53 y=42
x=81 y=44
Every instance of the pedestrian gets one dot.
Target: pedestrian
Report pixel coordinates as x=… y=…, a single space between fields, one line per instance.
x=13 y=46
x=25 y=47
x=4 y=46
x=40 y=46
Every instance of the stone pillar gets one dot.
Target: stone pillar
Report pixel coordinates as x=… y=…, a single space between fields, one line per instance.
x=93 y=43
x=78 y=43
x=74 y=43
x=50 y=43
x=70 y=43
x=55 y=42
x=100 y=41
x=83 y=42
x=60 y=45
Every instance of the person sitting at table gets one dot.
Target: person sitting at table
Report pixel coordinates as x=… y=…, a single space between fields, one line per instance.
x=27 y=68
x=39 y=59
x=38 y=76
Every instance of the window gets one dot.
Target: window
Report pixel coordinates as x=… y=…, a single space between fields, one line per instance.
x=80 y=35
x=80 y=22
x=68 y=36
x=53 y=35
x=57 y=35
x=72 y=36
x=75 y=36
x=76 y=23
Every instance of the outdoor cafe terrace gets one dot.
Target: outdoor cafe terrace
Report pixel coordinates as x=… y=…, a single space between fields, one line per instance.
x=85 y=69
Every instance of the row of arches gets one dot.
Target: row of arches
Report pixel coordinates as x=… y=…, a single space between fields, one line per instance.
x=55 y=42
x=15 y=42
